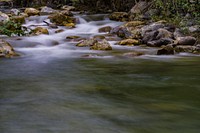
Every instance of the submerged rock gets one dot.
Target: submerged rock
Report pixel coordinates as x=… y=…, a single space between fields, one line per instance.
x=6 y=50
x=133 y=54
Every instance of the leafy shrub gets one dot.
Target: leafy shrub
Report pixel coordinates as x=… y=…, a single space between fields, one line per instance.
x=11 y=28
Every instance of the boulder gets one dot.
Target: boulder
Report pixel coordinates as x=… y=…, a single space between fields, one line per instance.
x=61 y=19
x=32 y=11
x=163 y=33
x=166 y=50
x=4 y=17
x=160 y=42
x=101 y=45
x=187 y=40
x=87 y=43
x=105 y=29
x=119 y=16
x=47 y=10
x=129 y=42
x=40 y=30
x=14 y=12
x=6 y=50
x=152 y=27
x=139 y=8
x=185 y=48
x=121 y=31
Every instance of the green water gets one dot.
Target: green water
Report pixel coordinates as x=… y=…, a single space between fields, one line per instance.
x=94 y=95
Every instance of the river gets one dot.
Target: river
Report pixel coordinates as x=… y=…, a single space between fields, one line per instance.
x=56 y=89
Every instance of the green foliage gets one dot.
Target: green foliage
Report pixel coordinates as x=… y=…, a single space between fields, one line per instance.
x=11 y=28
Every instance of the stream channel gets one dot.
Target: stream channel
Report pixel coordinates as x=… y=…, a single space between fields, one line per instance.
x=59 y=89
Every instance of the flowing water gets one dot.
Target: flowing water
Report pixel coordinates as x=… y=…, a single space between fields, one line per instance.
x=54 y=88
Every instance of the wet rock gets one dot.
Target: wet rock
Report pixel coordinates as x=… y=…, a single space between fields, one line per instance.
x=59 y=31
x=99 y=37
x=51 y=25
x=18 y=19
x=119 y=16
x=185 y=48
x=61 y=19
x=70 y=25
x=163 y=33
x=166 y=50
x=188 y=40
x=177 y=33
x=87 y=43
x=111 y=37
x=129 y=42
x=3 y=17
x=101 y=45
x=133 y=54
x=47 y=10
x=73 y=37
x=134 y=23
x=6 y=50
x=160 y=42
x=32 y=11
x=152 y=27
x=105 y=29
x=40 y=30
x=149 y=36
x=14 y=12
x=121 y=31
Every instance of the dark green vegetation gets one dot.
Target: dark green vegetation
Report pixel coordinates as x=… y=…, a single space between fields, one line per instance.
x=10 y=28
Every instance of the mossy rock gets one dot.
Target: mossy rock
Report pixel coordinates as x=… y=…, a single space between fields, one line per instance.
x=6 y=50
x=62 y=20
x=129 y=42
x=40 y=30
x=32 y=11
